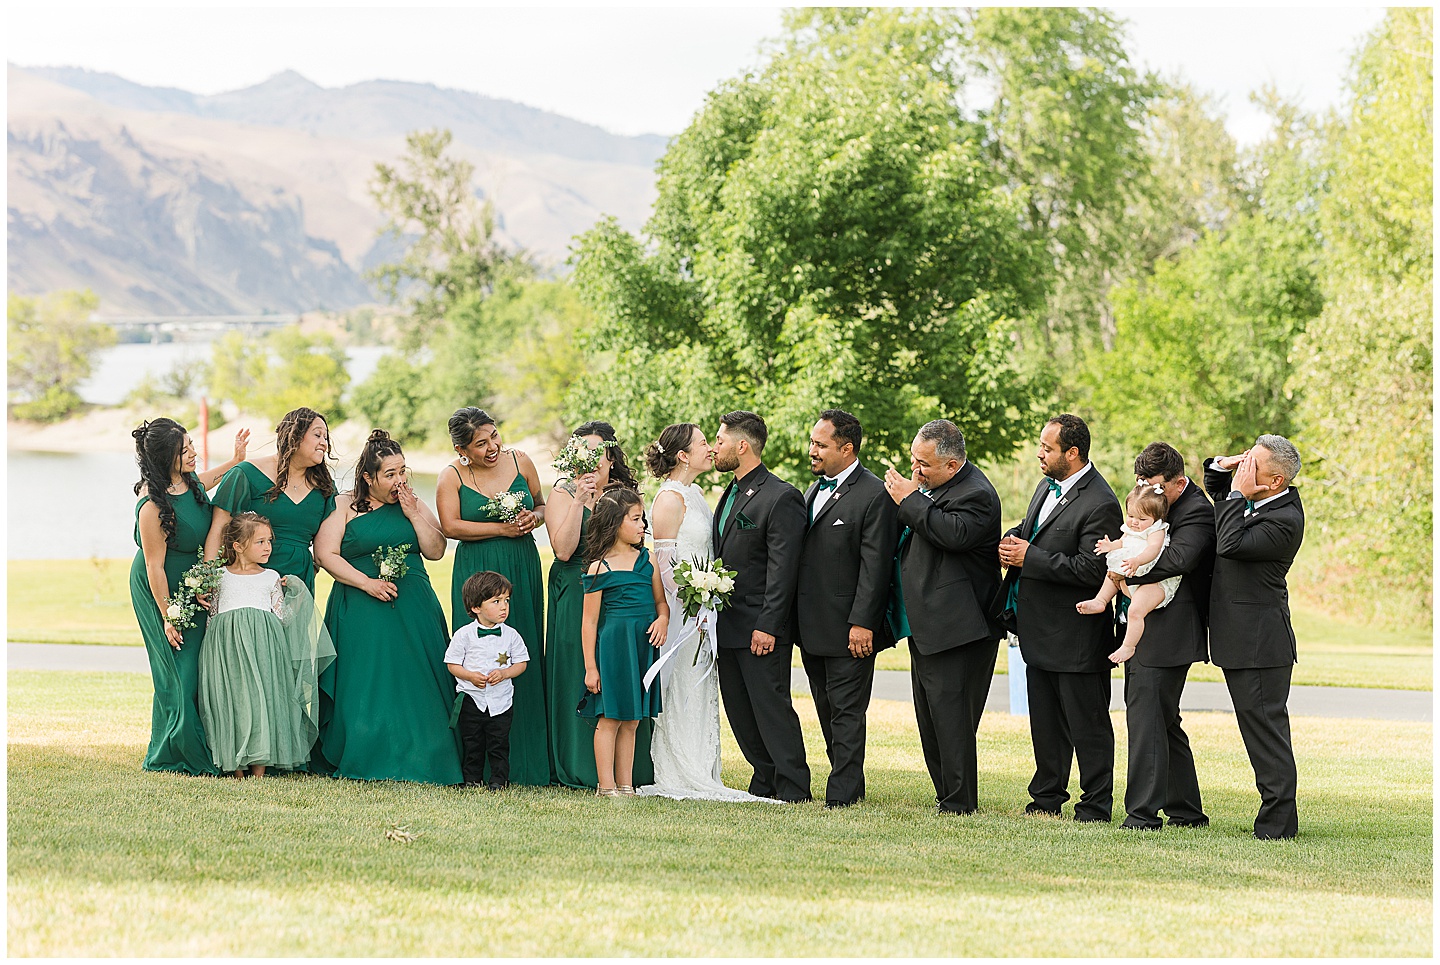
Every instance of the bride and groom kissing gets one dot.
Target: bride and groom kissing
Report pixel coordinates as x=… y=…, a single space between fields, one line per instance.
x=810 y=569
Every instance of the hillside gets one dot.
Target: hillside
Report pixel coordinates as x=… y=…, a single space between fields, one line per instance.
x=164 y=201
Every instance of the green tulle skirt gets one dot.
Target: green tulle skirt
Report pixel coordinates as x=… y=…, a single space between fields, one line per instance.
x=258 y=683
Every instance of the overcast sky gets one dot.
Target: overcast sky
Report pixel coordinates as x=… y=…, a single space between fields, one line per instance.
x=630 y=70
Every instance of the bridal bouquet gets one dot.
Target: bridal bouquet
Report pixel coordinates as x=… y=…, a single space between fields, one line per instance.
x=202 y=579
x=390 y=561
x=703 y=588
x=507 y=506
x=577 y=458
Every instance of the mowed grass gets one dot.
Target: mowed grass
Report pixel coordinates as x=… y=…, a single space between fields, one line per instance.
x=88 y=601
x=105 y=859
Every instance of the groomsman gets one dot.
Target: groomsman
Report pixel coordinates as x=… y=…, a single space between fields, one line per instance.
x=1053 y=566
x=1161 y=766
x=759 y=532
x=945 y=578
x=1259 y=525
x=843 y=590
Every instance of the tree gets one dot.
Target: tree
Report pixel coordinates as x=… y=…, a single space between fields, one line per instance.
x=827 y=232
x=430 y=203
x=1365 y=367
x=52 y=345
x=285 y=370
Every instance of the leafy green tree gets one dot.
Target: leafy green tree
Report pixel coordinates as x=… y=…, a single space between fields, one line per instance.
x=52 y=346
x=1365 y=367
x=430 y=203
x=396 y=398
x=283 y=371
x=827 y=232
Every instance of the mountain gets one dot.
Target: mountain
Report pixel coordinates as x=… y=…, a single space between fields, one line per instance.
x=168 y=202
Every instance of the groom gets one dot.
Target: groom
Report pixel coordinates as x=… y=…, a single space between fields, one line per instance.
x=759 y=533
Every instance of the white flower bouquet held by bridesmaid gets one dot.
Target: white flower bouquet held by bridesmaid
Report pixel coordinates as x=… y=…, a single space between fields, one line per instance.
x=199 y=581
x=577 y=458
x=507 y=506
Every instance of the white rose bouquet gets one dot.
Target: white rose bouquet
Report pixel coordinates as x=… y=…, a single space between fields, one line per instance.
x=390 y=561
x=703 y=586
x=507 y=506
x=577 y=458
x=202 y=579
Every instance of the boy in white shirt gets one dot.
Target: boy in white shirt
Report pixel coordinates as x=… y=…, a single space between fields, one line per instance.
x=484 y=656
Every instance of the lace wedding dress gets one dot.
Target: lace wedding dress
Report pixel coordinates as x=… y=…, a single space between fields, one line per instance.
x=685 y=745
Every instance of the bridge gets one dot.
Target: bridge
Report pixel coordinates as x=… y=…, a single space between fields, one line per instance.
x=183 y=328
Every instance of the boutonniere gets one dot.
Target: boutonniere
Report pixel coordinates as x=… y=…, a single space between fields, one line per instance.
x=502 y=658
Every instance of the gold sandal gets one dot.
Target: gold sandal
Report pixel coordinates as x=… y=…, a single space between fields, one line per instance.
x=607 y=792
x=625 y=790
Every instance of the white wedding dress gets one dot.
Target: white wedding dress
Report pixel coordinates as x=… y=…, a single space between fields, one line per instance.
x=685 y=745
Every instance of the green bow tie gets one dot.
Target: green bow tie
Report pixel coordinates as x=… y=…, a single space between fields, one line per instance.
x=1055 y=487
x=481 y=631
x=827 y=484
x=1249 y=505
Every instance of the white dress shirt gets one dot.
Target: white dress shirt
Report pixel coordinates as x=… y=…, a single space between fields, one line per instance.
x=1052 y=500
x=823 y=496
x=482 y=655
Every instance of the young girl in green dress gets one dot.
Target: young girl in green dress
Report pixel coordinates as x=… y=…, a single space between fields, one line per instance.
x=264 y=649
x=625 y=619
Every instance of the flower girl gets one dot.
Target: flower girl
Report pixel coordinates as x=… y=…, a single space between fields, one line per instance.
x=1142 y=539
x=263 y=651
x=625 y=618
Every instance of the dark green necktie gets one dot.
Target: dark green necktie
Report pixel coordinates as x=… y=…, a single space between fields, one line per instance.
x=729 y=502
x=482 y=632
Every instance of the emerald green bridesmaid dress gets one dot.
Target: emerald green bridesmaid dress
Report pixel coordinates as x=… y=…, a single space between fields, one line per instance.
x=572 y=737
x=518 y=560
x=177 y=737
x=387 y=715
x=243 y=489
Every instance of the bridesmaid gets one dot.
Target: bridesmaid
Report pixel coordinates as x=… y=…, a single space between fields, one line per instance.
x=390 y=719
x=293 y=489
x=482 y=470
x=171 y=520
x=572 y=738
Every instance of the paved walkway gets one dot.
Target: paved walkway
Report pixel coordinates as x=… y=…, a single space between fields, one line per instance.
x=1353 y=702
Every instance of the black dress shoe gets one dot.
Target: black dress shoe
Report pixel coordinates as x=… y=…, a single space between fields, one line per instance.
x=1130 y=825
x=836 y=805
x=1188 y=823
x=1092 y=819
x=1265 y=836
x=1036 y=809
x=953 y=811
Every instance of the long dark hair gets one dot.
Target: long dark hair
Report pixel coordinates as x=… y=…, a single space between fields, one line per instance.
x=288 y=433
x=663 y=455
x=377 y=448
x=610 y=510
x=620 y=474
x=158 y=443
x=466 y=422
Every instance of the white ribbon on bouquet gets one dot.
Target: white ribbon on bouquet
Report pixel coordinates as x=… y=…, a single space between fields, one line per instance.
x=704 y=626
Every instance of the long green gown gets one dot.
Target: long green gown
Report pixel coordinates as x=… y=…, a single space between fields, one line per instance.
x=518 y=560
x=243 y=489
x=572 y=738
x=390 y=715
x=177 y=737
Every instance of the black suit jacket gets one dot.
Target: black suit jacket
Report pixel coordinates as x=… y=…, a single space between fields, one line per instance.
x=845 y=566
x=1175 y=634
x=1061 y=570
x=762 y=544
x=949 y=570
x=1249 y=601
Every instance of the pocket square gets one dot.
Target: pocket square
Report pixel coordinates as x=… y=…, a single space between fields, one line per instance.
x=838 y=522
x=744 y=522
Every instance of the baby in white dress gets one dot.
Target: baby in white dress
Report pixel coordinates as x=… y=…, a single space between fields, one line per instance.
x=1142 y=539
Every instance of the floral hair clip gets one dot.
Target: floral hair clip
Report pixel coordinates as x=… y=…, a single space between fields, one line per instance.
x=1159 y=489
x=659 y=448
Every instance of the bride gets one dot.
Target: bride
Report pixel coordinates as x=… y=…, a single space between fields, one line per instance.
x=685 y=746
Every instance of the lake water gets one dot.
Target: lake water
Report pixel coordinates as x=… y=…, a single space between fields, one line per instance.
x=82 y=505
x=120 y=368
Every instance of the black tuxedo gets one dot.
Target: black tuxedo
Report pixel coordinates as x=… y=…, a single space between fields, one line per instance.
x=762 y=540
x=949 y=575
x=1161 y=765
x=1252 y=640
x=1067 y=653
x=844 y=581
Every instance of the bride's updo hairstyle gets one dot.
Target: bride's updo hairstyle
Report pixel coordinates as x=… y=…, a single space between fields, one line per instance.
x=605 y=520
x=377 y=448
x=663 y=455
x=620 y=474
x=241 y=529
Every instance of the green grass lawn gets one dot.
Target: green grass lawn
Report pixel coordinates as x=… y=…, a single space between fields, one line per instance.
x=88 y=601
x=105 y=859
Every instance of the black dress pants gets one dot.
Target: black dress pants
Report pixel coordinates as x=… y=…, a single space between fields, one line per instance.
x=1070 y=720
x=1161 y=768
x=484 y=736
x=756 y=693
x=950 y=688
x=1260 y=698
x=841 y=687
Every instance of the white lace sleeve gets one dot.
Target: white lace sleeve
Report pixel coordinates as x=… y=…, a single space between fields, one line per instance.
x=277 y=597
x=665 y=553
